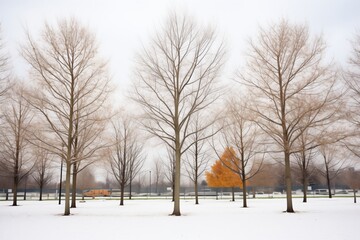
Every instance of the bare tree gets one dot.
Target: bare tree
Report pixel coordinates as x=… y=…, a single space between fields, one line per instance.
x=333 y=163
x=16 y=158
x=197 y=158
x=242 y=134
x=89 y=140
x=176 y=77
x=291 y=86
x=352 y=79
x=72 y=85
x=125 y=153
x=42 y=173
x=304 y=158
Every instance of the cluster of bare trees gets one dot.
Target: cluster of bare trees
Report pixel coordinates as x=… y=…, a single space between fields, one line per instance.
x=291 y=110
x=293 y=104
x=124 y=155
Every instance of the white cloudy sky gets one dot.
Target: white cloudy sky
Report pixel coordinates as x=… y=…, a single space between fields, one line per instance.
x=121 y=26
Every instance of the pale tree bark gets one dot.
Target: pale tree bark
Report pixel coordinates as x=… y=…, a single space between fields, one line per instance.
x=71 y=85
x=291 y=86
x=243 y=135
x=125 y=154
x=16 y=160
x=176 y=77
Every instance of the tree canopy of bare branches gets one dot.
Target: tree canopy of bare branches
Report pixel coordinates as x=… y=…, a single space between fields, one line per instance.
x=16 y=159
x=176 y=77
x=125 y=154
x=292 y=87
x=72 y=87
x=197 y=158
x=352 y=79
x=42 y=173
x=333 y=157
x=242 y=134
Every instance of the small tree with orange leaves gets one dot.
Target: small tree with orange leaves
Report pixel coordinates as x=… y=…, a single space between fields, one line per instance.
x=221 y=175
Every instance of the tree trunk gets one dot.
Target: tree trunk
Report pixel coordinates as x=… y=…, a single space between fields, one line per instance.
x=304 y=175
x=41 y=190
x=243 y=179
x=67 y=187
x=122 y=189
x=15 y=188
x=288 y=184
x=74 y=186
x=16 y=174
x=176 y=211
x=233 y=194
x=130 y=187
x=196 y=190
x=173 y=192
x=354 y=195
x=305 y=184
x=328 y=181
x=25 y=192
x=244 y=194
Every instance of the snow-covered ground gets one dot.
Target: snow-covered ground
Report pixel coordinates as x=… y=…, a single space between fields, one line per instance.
x=320 y=218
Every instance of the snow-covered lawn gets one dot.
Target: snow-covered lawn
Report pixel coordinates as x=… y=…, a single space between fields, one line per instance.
x=320 y=218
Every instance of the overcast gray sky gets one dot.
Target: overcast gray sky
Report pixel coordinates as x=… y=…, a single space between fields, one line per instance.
x=121 y=26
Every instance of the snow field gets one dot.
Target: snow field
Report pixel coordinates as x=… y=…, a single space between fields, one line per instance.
x=320 y=218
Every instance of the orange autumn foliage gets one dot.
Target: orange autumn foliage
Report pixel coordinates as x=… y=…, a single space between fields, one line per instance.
x=220 y=175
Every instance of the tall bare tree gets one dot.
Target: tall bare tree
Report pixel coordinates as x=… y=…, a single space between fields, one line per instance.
x=16 y=158
x=125 y=155
x=291 y=86
x=42 y=173
x=89 y=140
x=197 y=158
x=71 y=85
x=333 y=157
x=176 y=77
x=242 y=134
x=305 y=157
